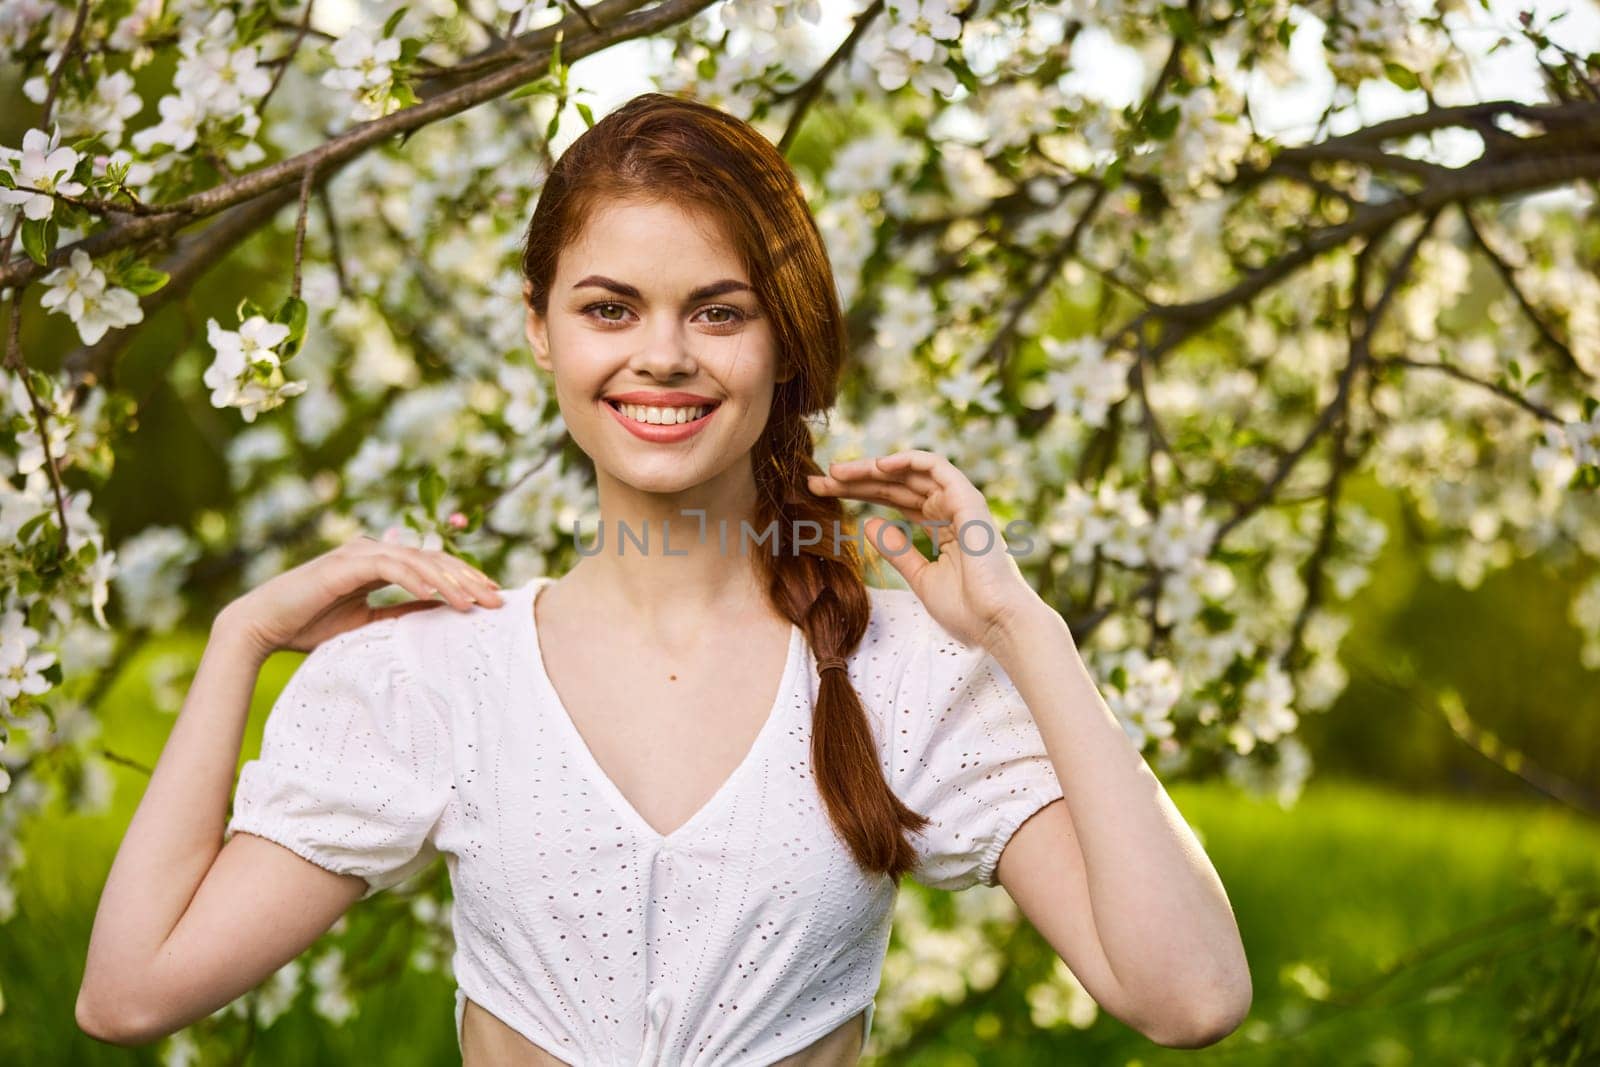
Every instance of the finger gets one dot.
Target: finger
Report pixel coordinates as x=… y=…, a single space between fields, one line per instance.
x=921 y=484
x=397 y=569
x=465 y=568
x=450 y=582
x=932 y=464
x=927 y=511
x=478 y=584
x=898 y=495
x=920 y=480
x=902 y=555
x=865 y=467
x=453 y=588
x=954 y=491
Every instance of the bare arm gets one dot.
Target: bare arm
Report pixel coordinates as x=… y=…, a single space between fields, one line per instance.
x=186 y=922
x=168 y=946
x=1113 y=877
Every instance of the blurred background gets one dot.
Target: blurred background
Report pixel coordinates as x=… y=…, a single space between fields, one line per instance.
x=1409 y=833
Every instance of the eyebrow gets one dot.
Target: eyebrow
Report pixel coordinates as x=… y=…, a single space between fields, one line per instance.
x=705 y=292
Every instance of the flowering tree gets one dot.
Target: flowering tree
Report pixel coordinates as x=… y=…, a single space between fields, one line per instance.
x=1161 y=330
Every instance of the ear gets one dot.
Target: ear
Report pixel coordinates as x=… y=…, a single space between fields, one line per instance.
x=537 y=330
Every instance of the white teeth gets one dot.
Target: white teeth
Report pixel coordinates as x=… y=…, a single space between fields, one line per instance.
x=662 y=416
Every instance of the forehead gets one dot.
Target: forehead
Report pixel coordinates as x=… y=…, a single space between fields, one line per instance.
x=654 y=244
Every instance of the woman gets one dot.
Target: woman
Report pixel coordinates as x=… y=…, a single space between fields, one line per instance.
x=677 y=788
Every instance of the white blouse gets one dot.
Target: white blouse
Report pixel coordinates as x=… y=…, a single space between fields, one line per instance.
x=741 y=937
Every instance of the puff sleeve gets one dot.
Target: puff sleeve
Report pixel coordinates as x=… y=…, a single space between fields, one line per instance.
x=355 y=767
x=967 y=754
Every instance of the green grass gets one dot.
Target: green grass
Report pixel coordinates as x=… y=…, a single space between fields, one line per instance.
x=1355 y=879
x=1348 y=882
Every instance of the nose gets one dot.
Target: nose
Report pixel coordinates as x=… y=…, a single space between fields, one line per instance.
x=665 y=355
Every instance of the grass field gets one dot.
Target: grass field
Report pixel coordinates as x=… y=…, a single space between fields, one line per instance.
x=1354 y=880
x=1350 y=882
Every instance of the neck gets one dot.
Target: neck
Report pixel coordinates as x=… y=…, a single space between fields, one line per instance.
x=668 y=561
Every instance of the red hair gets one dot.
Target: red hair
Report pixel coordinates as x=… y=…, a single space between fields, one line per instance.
x=671 y=148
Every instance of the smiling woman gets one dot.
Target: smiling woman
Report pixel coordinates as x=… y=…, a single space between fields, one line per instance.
x=661 y=853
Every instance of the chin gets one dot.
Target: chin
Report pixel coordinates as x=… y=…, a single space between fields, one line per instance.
x=668 y=475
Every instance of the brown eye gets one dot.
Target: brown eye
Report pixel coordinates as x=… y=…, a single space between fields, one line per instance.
x=735 y=315
x=604 y=304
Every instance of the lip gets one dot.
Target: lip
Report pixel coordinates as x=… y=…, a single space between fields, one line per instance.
x=665 y=434
x=662 y=400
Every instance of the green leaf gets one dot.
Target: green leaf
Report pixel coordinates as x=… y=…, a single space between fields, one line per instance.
x=429 y=489
x=26 y=531
x=39 y=239
x=249 y=309
x=542 y=85
x=402 y=91
x=588 y=116
x=1404 y=77
x=248 y=27
x=392 y=22
x=553 y=125
x=1180 y=23
x=1163 y=122
x=1113 y=175
x=292 y=313
x=143 y=279
x=963 y=73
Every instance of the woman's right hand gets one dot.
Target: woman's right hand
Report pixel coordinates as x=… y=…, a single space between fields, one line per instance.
x=303 y=607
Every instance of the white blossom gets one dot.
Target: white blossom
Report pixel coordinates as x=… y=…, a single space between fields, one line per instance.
x=179 y=126
x=41 y=169
x=245 y=372
x=153 y=569
x=915 y=24
x=363 y=70
x=20 y=666
x=80 y=291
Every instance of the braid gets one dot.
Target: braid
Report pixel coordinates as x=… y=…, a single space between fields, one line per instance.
x=824 y=593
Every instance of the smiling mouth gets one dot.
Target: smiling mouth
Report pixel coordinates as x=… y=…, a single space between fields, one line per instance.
x=649 y=415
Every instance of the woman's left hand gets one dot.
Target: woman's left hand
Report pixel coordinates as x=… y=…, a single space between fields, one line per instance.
x=973 y=588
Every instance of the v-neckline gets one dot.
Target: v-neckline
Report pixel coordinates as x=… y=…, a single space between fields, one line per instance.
x=533 y=657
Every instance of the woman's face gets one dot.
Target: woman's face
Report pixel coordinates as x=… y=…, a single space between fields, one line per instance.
x=651 y=301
